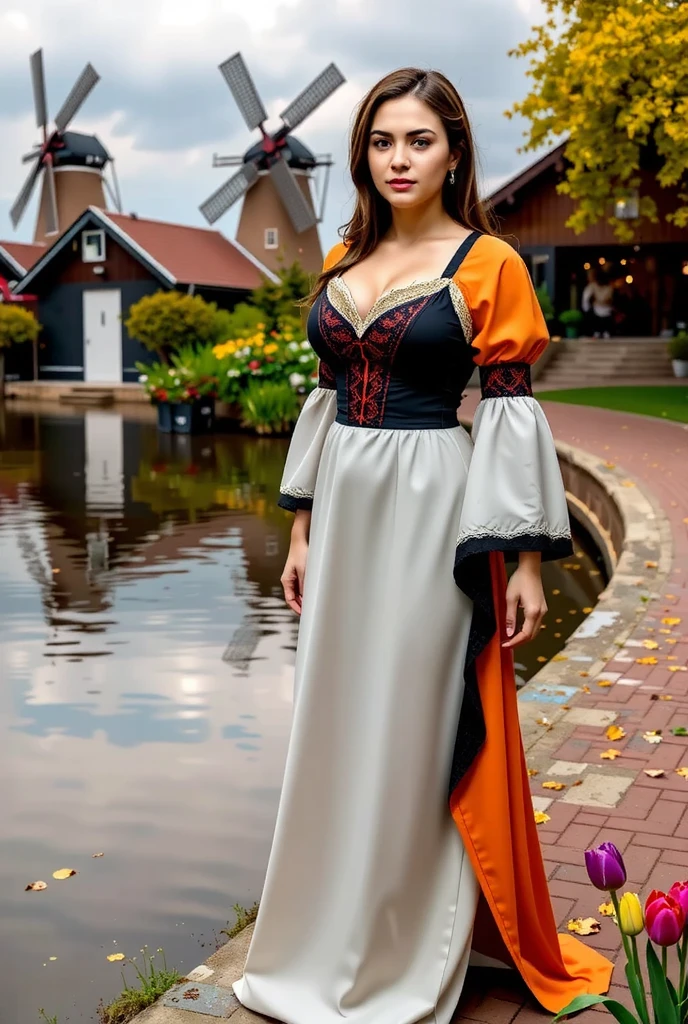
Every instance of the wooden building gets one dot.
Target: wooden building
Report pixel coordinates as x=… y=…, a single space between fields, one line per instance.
x=651 y=273
x=87 y=280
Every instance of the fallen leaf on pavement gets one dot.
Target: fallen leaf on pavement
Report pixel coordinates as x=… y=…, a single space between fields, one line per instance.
x=651 y=565
x=533 y=771
x=670 y=621
x=651 y=645
x=560 y=657
x=586 y=689
x=604 y=682
x=677 y=668
x=653 y=736
x=615 y=732
x=64 y=873
x=683 y=772
x=654 y=773
x=606 y=909
x=541 y=817
x=36 y=886
x=558 y=786
x=609 y=755
x=98 y=854
x=542 y=721
x=115 y=956
x=584 y=926
x=680 y=730
x=647 y=661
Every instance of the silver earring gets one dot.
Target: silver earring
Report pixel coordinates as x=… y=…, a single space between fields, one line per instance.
x=451 y=176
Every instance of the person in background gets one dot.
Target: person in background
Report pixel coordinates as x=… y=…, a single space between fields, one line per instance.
x=597 y=302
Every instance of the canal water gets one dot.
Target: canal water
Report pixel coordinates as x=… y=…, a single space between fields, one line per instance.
x=146 y=666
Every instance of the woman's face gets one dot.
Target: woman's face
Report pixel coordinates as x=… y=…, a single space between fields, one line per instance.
x=408 y=140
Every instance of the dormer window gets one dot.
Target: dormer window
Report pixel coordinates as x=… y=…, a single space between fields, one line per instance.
x=93 y=246
x=271 y=238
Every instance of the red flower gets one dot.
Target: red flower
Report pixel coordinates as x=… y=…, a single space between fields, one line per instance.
x=664 y=918
x=192 y=393
x=254 y=364
x=679 y=891
x=161 y=395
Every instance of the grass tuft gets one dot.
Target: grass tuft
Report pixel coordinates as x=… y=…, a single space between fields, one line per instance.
x=244 y=918
x=151 y=983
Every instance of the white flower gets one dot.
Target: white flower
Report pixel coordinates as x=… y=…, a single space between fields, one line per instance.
x=305 y=344
x=143 y=378
x=293 y=346
x=246 y=351
x=296 y=378
x=176 y=380
x=233 y=373
x=304 y=359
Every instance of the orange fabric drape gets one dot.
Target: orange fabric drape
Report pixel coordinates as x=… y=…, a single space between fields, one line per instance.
x=493 y=811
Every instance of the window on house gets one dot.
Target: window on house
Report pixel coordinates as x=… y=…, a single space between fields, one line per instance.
x=271 y=238
x=627 y=208
x=93 y=246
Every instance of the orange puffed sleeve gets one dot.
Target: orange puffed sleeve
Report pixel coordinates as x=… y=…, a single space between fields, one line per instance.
x=508 y=325
x=334 y=255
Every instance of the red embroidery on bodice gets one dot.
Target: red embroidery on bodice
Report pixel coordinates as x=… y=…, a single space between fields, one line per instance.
x=368 y=360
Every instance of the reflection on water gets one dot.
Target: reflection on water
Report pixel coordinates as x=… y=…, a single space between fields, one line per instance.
x=146 y=662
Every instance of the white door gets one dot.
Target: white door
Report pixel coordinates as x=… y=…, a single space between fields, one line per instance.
x=103 y=336
x=104 y=463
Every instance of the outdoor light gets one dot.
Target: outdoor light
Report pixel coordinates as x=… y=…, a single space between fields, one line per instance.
x=586 y=266
x=623 y=263
x=684 y=267
x=629 y=279
x=602 y=260
x=636 y=248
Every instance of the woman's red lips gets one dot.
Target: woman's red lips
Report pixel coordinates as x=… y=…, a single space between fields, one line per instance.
x=401 y=181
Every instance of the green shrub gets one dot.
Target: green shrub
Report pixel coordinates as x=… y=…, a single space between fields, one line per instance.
x=269 y=408
x=545 y=302
x=678 y=346
x=166 y=321
x=241 y=322
x=16 y=326
x=571 y=317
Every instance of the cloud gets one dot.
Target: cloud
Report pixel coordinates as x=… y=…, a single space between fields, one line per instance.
x=163 y=109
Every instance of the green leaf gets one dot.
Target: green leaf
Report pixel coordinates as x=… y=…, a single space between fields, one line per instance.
x=680 y=730
x=665 y=1011
x=636 y=986
x=623 y=1015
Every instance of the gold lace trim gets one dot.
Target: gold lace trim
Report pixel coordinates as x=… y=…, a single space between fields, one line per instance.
x=339 y=294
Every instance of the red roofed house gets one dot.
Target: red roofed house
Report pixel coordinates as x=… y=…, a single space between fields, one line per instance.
x=87 y=280
x=17 y=258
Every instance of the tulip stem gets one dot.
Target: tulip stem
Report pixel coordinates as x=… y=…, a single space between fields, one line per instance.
x=664 y=961
x=641 y=984
x=682 y=975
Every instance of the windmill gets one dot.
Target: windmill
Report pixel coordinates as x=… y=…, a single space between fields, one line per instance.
x=278 y=213
x=72 y=164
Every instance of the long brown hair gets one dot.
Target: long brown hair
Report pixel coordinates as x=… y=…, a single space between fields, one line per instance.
x=372 y=216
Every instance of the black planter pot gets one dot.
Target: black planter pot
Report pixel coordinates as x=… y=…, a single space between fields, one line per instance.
x=196 y=417
x=165 y=417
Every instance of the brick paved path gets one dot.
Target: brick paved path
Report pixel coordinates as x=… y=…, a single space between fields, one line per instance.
x=650 y=823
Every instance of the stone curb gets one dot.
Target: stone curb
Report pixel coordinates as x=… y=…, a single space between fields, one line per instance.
x=647 y=538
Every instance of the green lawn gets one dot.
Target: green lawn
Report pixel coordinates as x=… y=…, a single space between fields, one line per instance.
x=669 y=403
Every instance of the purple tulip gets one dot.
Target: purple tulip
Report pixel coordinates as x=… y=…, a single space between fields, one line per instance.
x=664 y=918
x=606 y=868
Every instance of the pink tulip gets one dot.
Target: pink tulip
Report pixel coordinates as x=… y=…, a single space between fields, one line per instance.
x=679 y=891
x=664 y=918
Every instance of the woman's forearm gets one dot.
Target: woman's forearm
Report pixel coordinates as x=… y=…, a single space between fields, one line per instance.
x=530 y=560
x=301 y=527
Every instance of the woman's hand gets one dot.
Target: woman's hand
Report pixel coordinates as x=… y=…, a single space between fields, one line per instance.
x=294 y=574
x=525 y=590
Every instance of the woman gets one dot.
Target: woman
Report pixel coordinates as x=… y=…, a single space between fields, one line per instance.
x=405 y=834
x=598 y=302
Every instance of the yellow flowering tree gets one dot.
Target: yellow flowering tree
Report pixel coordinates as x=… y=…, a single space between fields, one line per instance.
x=612 y=76
x=16 y=325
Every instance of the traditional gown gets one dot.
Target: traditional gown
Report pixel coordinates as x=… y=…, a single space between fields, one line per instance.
x=405 y=833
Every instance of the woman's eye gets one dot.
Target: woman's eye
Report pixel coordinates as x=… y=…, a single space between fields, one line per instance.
x=425 y=143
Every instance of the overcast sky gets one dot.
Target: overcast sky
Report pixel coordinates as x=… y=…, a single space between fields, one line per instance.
x=162 y=108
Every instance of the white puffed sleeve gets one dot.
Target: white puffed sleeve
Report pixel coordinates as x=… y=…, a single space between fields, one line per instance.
x=303 y=457
x=514 y=498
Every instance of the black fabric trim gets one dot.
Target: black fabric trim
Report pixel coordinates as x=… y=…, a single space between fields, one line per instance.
x=292 y=504
x=550 y=548
x=472 y=576
x=461 y=253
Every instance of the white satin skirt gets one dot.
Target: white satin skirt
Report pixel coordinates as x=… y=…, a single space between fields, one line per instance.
x=369 y=901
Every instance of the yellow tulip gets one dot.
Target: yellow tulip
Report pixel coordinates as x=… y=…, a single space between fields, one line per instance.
x=631 y=920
